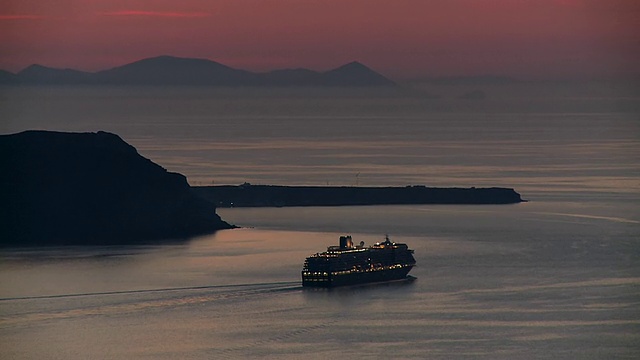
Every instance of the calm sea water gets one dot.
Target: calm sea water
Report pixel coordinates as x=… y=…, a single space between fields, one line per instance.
x=556 y=277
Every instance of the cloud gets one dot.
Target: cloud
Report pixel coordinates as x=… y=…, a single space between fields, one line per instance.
x=21 y=17
x=170 y=14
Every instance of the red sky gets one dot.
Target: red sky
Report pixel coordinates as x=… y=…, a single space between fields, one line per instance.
x=528 y=39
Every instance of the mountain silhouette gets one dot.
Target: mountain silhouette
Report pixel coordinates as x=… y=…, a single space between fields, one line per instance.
x=170 y=70
x=38 y=74
x=8 y=77
x=355 y=74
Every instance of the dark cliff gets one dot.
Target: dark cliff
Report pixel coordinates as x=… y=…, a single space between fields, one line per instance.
x=92 y=188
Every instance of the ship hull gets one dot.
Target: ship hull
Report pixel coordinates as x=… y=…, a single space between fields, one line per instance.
x=355 y=278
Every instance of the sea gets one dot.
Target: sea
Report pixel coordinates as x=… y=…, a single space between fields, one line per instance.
x=556 y=277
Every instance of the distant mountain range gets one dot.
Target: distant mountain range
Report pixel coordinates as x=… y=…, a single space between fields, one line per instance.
x=170 y=70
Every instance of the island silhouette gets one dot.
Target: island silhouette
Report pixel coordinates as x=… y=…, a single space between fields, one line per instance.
x=247 y=195
x=171 y=70
x=60 y=188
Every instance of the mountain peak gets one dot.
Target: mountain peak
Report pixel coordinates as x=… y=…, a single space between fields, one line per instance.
x=172 y=70
x=354 y=64
x=356 y=74
x=170 y=62
x=35 y=67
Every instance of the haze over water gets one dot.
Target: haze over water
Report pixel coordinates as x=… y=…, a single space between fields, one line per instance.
x=556 y=277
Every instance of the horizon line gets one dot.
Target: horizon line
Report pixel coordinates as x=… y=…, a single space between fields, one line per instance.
x=415 y=78
x=179 y=57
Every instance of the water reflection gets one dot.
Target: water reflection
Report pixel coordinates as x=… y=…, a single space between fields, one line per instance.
x=497 y=282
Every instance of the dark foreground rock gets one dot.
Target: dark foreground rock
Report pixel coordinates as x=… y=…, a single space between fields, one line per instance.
x=274 y=196
x=92 y=188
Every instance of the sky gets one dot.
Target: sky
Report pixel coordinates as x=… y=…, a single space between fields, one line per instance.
x=403 y=39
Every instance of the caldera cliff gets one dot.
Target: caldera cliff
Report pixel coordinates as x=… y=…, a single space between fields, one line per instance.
x=92 y=188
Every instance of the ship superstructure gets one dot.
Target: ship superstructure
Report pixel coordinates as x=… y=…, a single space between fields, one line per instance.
x=349 y=264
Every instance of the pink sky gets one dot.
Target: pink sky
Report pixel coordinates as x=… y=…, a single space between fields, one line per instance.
x=528 y=39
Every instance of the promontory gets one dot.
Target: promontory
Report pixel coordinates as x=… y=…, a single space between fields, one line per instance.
x=61 y=188
x=92 y=188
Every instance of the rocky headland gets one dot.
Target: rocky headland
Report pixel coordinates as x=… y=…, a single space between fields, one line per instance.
x=95 y=189
x=92 y=188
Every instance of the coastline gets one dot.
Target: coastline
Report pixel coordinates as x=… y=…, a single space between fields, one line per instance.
x=247 y=195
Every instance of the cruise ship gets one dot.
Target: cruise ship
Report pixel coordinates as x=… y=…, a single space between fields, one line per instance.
x=349 y=264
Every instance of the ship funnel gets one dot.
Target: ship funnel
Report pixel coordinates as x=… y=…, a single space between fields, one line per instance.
x=346 y=242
